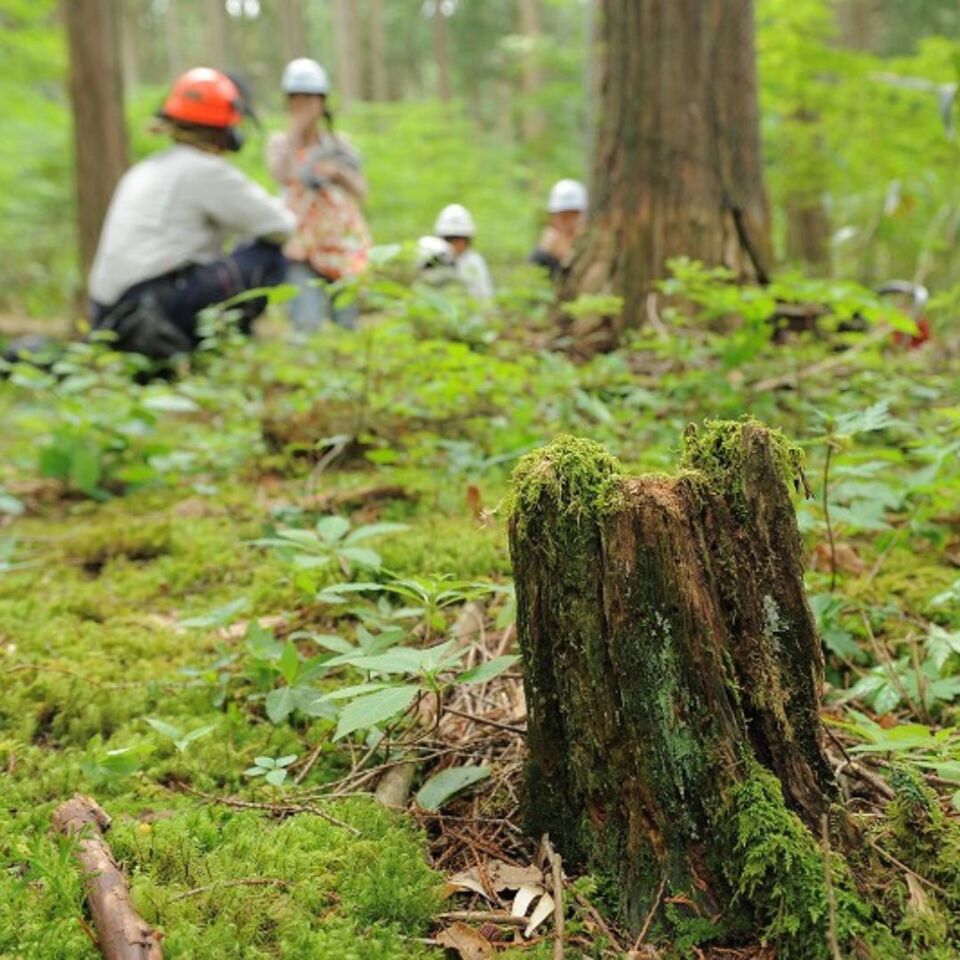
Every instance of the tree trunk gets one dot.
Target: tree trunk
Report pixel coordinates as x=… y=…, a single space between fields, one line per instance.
x=348 y=50
x=379 y=87
x=293 y=32
x=677 y=166
x=123 y=935
x=808 y=234
x=215 y=27
x=129 y=46
x=531 y=74
x=672 y=671
x=441 y=52
x=99 y=129
x=173 y=28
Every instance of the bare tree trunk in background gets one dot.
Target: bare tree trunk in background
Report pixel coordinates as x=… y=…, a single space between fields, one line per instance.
x=859 y=24
x=591 y=85
x=808 y=233
x=174 y=35
x=99 y=130
x=379 y=88
x=348 y=50
x=129 y=53
x=293 y=30
x=532 y=73
x=215 y=29
x=441 y=53
x=677 y=163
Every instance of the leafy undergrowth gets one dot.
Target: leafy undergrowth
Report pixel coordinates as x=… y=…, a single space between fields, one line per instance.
x=229 y=600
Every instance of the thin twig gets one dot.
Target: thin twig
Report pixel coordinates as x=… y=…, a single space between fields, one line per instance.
x=488 y=916
x=650 y=915
x=248 y=882
x=522 y=731
x=556 y=875
x=913 y=873
x=832 y=940
x=826 y=516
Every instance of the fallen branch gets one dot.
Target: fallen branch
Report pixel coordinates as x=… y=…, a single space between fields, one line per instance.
x=556 y=877
x=121 y=933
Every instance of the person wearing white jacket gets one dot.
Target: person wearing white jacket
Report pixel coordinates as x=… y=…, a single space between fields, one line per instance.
x=455 y=225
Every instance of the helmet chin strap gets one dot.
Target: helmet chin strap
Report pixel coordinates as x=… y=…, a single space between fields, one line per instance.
x=235 y=139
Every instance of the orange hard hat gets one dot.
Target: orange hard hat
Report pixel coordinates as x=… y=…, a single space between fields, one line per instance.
x=205 y=97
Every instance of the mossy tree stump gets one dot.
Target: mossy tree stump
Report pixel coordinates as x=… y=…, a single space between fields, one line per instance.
x=673 y=673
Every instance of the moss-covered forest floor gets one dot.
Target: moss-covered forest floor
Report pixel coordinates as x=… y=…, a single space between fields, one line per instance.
x=187 y=635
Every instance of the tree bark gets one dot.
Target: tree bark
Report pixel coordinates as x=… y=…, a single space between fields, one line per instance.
x=348 y=50
x=129 y=46
x=99 y=128
x=173 y=29
x=293 y=32
x=531 y=73
x=123 y=935
x=379 y=86
x=671 y=664
x=441 y=52
x=677 y=164
x=215 y=27
x=808 y=234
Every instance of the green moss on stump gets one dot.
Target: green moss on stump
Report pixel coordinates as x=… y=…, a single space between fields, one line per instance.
x=572 y=475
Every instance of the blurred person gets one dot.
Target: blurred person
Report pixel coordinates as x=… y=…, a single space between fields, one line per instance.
x=435 y=262
x=567 y=207
x=456 y=226
x=324 y=187
x=160 y=260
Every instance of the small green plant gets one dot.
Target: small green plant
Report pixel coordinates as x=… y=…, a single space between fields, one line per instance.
x=273 y=770
x=179 y=738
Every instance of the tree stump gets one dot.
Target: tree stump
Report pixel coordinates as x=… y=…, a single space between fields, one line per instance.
x=673 y=670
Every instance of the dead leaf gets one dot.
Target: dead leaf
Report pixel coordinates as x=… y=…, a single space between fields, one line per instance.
x=917 y=902
x=468 y=880
x=526 y=894
x=543 y=910
x=847 y=560
x=498 y=875
x=469 y=944
x=474 y=501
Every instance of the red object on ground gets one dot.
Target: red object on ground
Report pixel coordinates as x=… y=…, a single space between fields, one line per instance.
x=919 y=338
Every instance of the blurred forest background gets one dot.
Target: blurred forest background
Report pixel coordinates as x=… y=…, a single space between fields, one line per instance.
x=486 y=102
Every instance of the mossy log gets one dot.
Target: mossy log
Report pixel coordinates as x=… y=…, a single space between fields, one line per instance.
x=673 y=671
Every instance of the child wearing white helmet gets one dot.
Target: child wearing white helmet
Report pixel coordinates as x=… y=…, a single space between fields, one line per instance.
x=567 y=207
x=324 y=187
x=455 y=225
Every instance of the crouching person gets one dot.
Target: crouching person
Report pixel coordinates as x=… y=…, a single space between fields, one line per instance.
x=161 y=257
x=566 y=207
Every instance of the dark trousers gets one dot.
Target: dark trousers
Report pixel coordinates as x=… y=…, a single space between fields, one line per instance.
x=183 y=294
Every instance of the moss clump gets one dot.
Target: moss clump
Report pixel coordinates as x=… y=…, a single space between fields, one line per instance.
x=717 y=453
x=572 y=475
x=776 y=870
x=94 y=545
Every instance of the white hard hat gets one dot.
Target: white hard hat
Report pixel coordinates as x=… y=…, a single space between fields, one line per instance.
x=304 y=75
x=567 y=195
x=454 y=221
x=434 y=251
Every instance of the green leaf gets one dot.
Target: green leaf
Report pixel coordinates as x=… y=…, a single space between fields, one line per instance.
x=367 y=711
x=487 y=671
x=280 y=704
x=330 y=641
x=167 y=729
x=276 y=777
x=254 y=772
x=375 y=530
x=198 y=733
x=361 y=556
x=218 y=617
x=443 y=785
x=85 y=468
x=289 y=663
x=266 y=762
x=169 y=403
x=332 y=528
x=287 y=760
x=10 y=505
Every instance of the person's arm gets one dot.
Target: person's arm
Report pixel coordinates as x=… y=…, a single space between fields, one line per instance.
x=240 y=206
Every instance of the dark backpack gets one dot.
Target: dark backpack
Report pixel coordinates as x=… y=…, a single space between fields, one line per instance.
x=142 y=326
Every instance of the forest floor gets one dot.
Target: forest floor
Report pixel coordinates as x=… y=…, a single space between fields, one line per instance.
x=230 y=602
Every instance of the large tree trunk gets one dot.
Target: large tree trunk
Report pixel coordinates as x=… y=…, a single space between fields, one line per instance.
x=441 y=52
x=379 y=88
x=531 y=73
x=99 y=129
x=215 y=32
x=346 y=41
x=672 y=671
x=293 y=31
x=173 y=30
x=677 y=166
